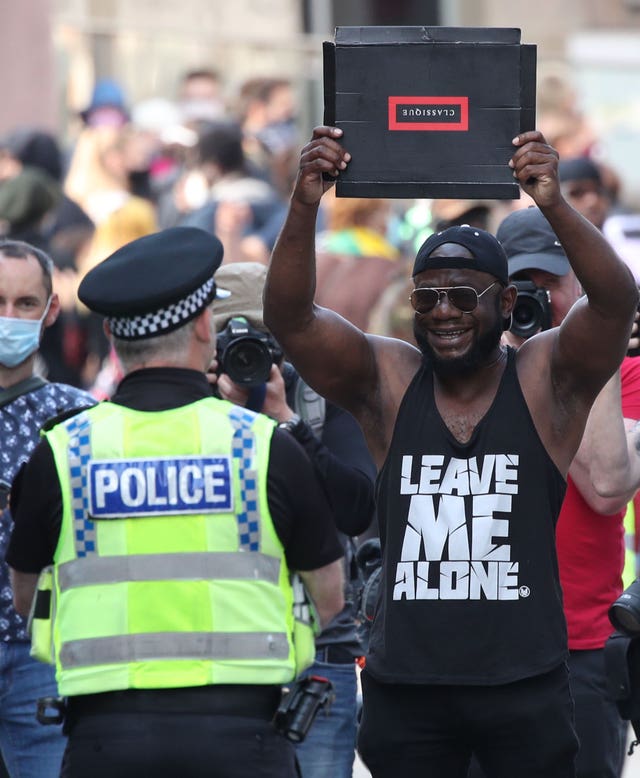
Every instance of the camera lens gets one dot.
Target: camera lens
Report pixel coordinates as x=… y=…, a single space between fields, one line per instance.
x=526 y=317
x=626 y=621
x=247 y=362
x=624 y=614
x=532 y=311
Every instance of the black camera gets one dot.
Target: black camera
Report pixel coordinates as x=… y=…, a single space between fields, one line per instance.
x=624 y=614
x=245 y=353
x=532 y=311
x=622 y=657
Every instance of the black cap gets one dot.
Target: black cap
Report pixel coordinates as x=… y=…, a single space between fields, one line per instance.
x=531 y=244
x=155 y=284
x=488 y=254
x=35 y=148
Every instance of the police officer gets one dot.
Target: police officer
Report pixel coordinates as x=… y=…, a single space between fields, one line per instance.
x=172 y=520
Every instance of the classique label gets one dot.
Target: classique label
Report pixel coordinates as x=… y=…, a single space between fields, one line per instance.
x=429 y=113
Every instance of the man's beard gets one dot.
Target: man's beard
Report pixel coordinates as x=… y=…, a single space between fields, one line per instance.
x=477 y=356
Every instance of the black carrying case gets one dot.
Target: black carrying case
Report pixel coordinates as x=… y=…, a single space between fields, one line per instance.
x=429 y=111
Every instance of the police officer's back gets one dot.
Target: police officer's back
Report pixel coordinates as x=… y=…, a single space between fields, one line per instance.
x=171 y=525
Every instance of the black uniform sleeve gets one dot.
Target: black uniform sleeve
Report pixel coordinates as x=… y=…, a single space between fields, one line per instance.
x=299 y=507
x=346 y=470
x=36 y=509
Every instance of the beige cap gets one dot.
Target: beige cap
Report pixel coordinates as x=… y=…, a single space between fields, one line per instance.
x=447 y=210
x=245 y=281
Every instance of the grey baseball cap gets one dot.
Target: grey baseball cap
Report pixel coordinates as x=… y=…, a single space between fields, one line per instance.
x=531 y=244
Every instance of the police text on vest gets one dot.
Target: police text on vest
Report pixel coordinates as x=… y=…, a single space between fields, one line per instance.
x=128 y=488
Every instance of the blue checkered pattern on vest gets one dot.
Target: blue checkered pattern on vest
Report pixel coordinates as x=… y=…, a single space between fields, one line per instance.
x=243 y=452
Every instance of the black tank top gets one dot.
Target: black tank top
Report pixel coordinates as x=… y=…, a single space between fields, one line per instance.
x=470 y=592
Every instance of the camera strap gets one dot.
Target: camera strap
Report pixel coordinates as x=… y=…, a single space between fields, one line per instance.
x=255 y=400
x=310 y=406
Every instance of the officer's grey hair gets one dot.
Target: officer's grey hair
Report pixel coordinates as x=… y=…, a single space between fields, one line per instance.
x=137 y=353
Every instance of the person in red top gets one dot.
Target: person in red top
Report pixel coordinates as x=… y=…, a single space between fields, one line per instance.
x=591 y=542
x=602 y=479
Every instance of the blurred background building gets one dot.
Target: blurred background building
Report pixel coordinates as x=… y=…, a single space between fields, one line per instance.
x=53 y=51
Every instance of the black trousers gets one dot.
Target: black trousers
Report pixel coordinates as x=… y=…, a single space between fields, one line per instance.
x=522 y=729
x=600 y=730
x=107 y=742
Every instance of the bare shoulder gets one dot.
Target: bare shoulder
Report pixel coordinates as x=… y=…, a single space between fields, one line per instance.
x=533 y=363
x=396 y=364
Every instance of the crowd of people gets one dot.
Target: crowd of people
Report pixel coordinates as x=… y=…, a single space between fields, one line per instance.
x=181 y=529
x=130 y=170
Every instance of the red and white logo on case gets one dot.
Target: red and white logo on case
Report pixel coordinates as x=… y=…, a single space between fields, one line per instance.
x=435 y=114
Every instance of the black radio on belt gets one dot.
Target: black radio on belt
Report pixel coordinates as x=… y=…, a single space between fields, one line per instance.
x=300 y=704
x=51 y=710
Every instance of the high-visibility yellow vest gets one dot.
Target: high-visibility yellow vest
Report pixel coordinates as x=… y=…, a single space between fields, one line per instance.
x=629 y=574
x=168 y=570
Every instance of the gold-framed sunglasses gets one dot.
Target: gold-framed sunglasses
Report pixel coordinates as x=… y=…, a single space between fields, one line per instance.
x=464 y=298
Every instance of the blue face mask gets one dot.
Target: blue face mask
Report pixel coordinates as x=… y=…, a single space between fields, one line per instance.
x=19 y=338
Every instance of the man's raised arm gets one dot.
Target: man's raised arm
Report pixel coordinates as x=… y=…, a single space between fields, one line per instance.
x=328 y=351
x=593 y=338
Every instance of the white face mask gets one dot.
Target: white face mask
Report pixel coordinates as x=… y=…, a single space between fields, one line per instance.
x=19 y=338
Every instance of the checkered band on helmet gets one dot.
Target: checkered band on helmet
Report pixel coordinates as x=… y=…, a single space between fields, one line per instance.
x=164 y=320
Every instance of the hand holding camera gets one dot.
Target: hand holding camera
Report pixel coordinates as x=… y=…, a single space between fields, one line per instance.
x=247 y=365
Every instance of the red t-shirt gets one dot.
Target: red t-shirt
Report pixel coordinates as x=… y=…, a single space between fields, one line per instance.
x=591 y=547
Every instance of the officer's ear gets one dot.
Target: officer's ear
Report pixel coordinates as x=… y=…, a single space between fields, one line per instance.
x=106 y=329
x=203 y=326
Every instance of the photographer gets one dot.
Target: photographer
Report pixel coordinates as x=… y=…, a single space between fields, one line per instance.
x=335 y=445
x=602 y=479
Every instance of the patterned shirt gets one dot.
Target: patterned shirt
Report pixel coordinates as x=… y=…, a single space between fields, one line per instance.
x=20 y=423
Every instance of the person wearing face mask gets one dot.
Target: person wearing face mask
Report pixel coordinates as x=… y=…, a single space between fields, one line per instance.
x=27 y=306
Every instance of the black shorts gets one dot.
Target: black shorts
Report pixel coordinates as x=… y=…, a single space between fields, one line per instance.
x=522 y=729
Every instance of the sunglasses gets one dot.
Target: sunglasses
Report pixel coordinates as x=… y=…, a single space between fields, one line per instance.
x=464 y=298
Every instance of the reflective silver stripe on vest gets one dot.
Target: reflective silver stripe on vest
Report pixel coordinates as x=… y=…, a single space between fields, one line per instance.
x=153 y=646
x=169 y=567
